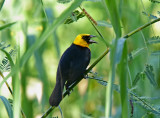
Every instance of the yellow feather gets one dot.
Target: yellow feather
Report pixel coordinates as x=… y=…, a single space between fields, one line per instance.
x=81 y=42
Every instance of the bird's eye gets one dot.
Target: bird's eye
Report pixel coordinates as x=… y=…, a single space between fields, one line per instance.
x=86 y=38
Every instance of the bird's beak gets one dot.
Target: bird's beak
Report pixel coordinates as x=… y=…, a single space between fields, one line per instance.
x=92 y=41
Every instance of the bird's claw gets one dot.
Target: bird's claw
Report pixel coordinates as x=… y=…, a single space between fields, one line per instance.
x=69 y=91
x=86 y=76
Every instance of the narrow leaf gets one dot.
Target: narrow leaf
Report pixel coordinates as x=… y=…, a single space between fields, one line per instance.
x=105 y=83
x=64 y=1
x=44 y=10
x=104 y=23
x=1 y=4
x=154 y=1
x=135 y=53
x=119 y=50
x=150 y=75
x=114 y=16
x=16 y=82
x=7 y=25
x=138 y=77
x=123 y=68
x=7 y=106
x=145 y=104
x=8 y=57
x=149 y=15
x=115 y=20
x=153 y=40
x=49 y=13
x=155 y=53
x=7 y=61
x=76 y=15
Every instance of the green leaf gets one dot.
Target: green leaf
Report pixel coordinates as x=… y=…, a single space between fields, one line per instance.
x=49 y=13
x=135 y=53
x=115 y=20
x=145 y=104
x=104 y=23
x=149 y=98
x=76 y=15
x=123 y=74
x=149 y=15
x=1 y=4
x=104 y=83
x=119 y=50
x=7 y=106
x=7 y=25
x=8 y=57
x=114 y=16
x=154 y=1
x=64 y=1
x=16 y=82
x=150 y=75
x=138 y=77
x=154 y=40
x=85 y=116
x=44 y=10
x=7 y=62
x=155 y=53
x=101 y=81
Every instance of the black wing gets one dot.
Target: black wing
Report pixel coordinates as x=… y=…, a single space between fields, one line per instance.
x=72 y=66
x=73 y=63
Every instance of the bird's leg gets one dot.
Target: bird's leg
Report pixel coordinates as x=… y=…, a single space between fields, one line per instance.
x=91 y=74
x=87 y=75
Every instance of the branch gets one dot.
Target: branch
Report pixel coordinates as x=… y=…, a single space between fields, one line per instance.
x=102 y=56
x=9 y=88
x=141 y=27
x=145 y=103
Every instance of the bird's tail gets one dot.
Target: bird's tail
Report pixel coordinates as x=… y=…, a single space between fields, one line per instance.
x=56 y=95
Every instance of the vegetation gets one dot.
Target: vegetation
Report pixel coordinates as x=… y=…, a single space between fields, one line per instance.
x=123 y=75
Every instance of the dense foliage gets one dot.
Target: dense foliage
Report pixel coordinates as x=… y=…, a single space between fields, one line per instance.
x=124 y=83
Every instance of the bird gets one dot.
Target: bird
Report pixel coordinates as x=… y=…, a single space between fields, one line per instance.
x=72 y=66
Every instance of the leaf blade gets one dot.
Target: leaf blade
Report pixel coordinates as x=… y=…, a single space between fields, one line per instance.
x=104 y=24
x=7 y=106
x=7 y=25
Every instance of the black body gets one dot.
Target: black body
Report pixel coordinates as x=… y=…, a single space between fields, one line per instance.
x=72 y=66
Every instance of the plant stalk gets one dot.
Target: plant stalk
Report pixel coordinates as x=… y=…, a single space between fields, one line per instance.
x=141 y=27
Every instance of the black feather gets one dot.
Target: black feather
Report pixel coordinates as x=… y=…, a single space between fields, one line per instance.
x=72 y=66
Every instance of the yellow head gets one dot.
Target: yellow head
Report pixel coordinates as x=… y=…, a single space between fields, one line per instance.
x=84 y=40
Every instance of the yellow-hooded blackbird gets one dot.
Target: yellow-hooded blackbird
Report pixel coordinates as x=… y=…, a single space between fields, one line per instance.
x=72 y=66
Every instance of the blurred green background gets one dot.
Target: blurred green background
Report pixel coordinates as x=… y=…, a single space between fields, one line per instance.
x=38 y=76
